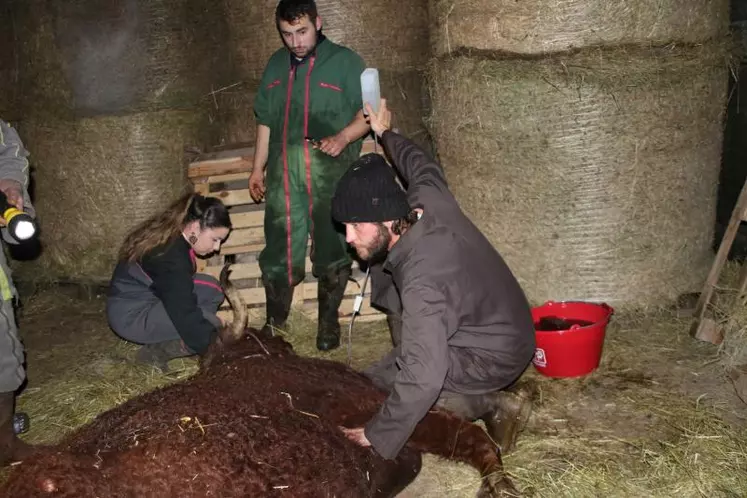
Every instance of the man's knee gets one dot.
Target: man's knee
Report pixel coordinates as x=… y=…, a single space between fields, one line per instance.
x=467 y=406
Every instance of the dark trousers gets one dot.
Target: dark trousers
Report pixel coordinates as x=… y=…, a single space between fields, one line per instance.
x=144 y=320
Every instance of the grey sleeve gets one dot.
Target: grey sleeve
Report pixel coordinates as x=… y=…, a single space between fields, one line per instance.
x=423 y=365
x=14 y=165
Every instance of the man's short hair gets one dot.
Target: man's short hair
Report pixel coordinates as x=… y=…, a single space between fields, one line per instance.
x=293 y=10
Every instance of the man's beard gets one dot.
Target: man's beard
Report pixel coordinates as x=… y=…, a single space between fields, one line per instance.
x=379 y=249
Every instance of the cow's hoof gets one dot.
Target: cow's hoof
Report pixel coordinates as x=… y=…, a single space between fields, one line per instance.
x=497 y=485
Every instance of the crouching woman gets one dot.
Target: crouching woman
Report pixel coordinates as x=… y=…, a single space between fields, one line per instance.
x=156 y=298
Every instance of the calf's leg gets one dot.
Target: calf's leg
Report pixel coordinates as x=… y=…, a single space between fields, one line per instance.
x=452 y=437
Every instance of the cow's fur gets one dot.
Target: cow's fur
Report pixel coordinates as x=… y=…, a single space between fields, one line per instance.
x=259 y=421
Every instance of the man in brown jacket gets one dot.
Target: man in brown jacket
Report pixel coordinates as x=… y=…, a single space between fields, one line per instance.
x=467 y=333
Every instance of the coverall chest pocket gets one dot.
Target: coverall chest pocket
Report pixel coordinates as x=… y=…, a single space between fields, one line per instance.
x=328 y=97
x=276 y=94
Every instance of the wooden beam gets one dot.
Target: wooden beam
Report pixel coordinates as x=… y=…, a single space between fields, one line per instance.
x=220 y=167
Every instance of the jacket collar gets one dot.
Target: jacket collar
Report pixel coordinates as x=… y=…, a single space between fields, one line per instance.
x=403 y=248
x=321 y=43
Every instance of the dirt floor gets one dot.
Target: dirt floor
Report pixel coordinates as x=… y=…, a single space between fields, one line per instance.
x=658 y=418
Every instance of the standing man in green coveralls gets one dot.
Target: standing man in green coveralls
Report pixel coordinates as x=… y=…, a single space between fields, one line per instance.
x=310 y=124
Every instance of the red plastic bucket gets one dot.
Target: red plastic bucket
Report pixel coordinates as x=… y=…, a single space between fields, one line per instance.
x=573 y=351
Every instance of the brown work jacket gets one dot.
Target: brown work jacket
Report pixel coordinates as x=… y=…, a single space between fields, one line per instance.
x=466 y=323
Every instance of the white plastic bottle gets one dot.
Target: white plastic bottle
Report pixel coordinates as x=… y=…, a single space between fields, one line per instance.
x=370 y=88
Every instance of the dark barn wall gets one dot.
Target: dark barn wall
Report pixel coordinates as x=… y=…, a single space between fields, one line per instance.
x=734 y=162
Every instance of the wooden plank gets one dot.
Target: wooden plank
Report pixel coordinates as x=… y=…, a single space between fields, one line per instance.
x=244 y=236
x=346 y=309
x=256 y=295
x=256 y=313
x=228 y=150
x=248 y=219
x=225 y=251
x=305 y=292
x=202 y=189
x=234 y=197
x=240 y=271
x=219 y=167
x=253 y=296
x=231 y=177
x=709 y=331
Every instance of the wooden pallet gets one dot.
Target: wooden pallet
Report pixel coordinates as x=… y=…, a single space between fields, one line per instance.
x=225 y=175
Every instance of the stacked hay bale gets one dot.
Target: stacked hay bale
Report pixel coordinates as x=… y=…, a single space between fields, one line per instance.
x=390 y=35
x=593 y=171
x=113 y=93
x=96 y=177
x=547 y=26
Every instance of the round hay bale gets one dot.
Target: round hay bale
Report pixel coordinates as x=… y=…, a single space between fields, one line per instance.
x=95 y=178
x=406 y=93
x=253 y=37
x=234 y=110
x=388 y=34
x=594 y=174
x=40 y=71
x=122 y=56
x=541 y=26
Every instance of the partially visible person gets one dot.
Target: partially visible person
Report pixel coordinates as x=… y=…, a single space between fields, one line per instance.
x=14 y=179
x=310 y=123
x=467 y=333
x=156 y=298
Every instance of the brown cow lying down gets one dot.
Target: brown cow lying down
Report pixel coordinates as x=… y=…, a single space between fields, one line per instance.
x=256 y=420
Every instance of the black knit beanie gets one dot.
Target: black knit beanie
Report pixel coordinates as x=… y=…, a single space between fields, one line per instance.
x=369 y=192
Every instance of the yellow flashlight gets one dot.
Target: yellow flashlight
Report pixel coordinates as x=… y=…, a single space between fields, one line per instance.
x=20 y=225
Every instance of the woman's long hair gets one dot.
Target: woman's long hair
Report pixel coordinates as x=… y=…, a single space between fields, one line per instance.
x=164 y=227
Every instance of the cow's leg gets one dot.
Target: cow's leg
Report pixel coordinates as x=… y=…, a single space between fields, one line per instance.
x=396 y=474
x=455 y=438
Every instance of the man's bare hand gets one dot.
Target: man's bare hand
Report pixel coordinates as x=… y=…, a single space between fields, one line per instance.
x=257 y=185
x=334 y=145
x=380 y=121
x=356 y=435
x=14 y=192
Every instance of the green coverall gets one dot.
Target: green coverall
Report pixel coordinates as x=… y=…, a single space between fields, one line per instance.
x=316 y=98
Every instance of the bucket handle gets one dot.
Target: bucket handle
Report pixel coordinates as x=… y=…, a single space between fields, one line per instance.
x=609 y=309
